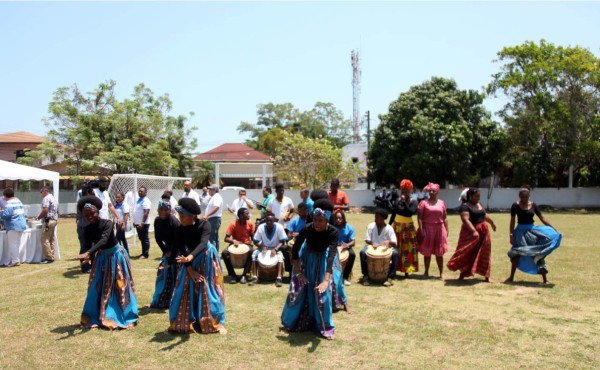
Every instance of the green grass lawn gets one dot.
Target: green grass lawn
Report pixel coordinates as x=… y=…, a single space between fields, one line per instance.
x=416 y=324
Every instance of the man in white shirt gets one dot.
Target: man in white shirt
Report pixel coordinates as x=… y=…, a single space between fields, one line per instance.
x=101 y=192
x=270 y=237
x=141 y=220
x=379 y=235
x=241 y=202
x=188 y=192
x=214 y=210
x=281 y=206
x=204 y=199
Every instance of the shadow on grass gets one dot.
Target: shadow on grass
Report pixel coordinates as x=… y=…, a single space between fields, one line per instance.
x=301 y=339
x=74 y=273
x=465 y=282
x=166 y=337
x=530 y=284
x=417 y=277
x=148 y=310
x=69 y=330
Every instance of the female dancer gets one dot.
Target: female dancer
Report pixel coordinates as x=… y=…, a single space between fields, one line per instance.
x=530 y=244
x=198 y=303
x=401 y=221
x=433 y=228
x=165 y=228
x=309 y=301
x=473 y=252
x=110 y=301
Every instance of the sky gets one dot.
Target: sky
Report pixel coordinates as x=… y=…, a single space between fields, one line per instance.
x=221 y=59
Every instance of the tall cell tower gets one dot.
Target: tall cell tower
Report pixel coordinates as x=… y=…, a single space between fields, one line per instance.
x=356 y=117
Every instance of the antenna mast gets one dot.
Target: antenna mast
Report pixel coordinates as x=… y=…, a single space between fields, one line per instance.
x=356 y=117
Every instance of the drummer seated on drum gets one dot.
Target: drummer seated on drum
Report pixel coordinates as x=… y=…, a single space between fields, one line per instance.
x=379 y=235
x=269 y=238
x=240 y=231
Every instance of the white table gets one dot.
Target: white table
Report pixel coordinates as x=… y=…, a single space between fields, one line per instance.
x=31 y=252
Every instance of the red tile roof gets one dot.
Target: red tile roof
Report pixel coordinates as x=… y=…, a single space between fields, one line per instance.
x=20 y=137
x=233 y=152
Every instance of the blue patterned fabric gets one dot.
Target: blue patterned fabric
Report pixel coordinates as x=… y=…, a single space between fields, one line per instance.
x=533 y=244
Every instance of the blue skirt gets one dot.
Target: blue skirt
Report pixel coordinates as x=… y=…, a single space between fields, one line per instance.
x=305 y=308
x=110 y=300
x=533 y=244
x=338 y=291
x=165 y=282
x=198 y=306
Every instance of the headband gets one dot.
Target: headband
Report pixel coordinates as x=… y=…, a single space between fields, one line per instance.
x=162 y=203
x=89 y=206
x=180 y=209
x=463 y=195
x=322 y=213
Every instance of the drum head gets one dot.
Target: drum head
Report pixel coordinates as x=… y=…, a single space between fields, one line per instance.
x=344 y=254
x=265 y=259
x=240 y=249
x=380 y=252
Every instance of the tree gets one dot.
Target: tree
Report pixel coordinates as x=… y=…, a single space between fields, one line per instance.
x=306 y=162
x=435 y=132
x=322 y=121
x=552 y=116
x=96 y=130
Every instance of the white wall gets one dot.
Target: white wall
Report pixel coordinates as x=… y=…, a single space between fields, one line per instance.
x=500 y=198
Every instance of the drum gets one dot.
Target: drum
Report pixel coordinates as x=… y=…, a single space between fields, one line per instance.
x=291 y=246
x=344 y=255
x=267 y=266
x=238 y=255
x=378 y=263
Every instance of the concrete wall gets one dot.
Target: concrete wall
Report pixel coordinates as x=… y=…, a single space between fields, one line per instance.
x=500 y=198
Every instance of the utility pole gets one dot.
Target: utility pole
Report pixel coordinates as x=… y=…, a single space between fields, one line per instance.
x=368 y=146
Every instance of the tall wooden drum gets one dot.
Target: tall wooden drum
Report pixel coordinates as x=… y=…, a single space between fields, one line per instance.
x=344 y=255
x=378 y=263
x=267 y=266
x=238 y=255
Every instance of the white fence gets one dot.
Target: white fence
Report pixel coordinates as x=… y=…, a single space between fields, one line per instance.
x=500 y=198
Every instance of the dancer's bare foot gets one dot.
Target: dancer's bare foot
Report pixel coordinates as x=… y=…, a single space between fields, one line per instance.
x=147 y=305
x=347 y=308
x=489 y=280
x=509 y=281
x=222 y=330
x=442 y=277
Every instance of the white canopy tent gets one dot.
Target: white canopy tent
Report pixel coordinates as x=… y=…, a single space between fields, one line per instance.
x=14 y=171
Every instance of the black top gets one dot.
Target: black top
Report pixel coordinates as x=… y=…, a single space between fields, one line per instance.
x=164 y=232
x=318 y=241
x=402 y=208
x=476 y=216
x=190 y=239
x=525 y=216
x=99 y=236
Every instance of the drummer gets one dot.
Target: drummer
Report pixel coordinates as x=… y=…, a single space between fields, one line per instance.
x=240 y=231
x=293 y=230
x=269 y=238
x=346 y=242
x=379 y=235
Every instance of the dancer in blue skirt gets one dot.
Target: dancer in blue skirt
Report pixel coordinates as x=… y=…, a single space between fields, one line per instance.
x=309 y=301
x=165 y=228
x=110 y=301
x=198 y=304
x=530 y=244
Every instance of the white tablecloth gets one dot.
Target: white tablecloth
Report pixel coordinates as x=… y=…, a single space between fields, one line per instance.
x=31 y=250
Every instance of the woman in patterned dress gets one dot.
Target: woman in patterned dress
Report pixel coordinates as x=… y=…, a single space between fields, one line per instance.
x=433 y=228
x=406 y=235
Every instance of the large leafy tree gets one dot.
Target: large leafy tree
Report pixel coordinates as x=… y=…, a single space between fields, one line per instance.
x=322 y=121
x=552 y=113
x=97 y=131
x=436 y=132
x=304 y=161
